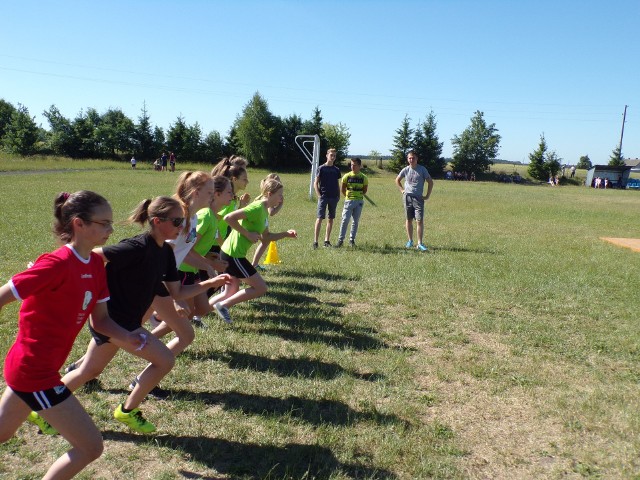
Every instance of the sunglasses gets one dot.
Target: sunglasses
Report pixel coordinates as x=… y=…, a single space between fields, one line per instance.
x=176 y=221
x=103 y=223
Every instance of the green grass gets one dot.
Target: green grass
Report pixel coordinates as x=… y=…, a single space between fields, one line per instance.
x=510 y=350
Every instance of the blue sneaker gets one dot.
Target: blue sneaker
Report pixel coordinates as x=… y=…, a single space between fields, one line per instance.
x=409 y=244
x=422 y=247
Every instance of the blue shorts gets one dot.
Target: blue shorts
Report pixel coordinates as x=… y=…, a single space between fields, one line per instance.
x=329 y=203
x=414 y=207
x=44 y=399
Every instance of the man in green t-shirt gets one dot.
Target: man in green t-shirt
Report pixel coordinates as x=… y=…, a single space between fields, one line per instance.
x=354 y=187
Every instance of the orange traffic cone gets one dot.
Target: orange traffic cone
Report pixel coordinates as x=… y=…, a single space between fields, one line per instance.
x=272 y=255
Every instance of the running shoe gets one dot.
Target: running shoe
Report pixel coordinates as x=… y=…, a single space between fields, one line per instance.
x=42 y=424
x=134 y=420
x=327 y=243
x=70 y=368
x=260 y=268
x=409 y=244
x=422 y=247
x=197 y=322
x=223 y=312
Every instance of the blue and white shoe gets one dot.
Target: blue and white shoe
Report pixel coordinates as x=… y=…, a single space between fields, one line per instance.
x=409 y=244
x=422 y=247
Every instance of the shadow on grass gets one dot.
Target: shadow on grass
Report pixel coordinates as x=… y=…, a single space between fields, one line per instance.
x=401 y=250
x=253 y=461
x=284 y=367
x=329 y=277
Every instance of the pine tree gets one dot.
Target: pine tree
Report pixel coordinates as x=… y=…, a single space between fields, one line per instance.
x=536 y=161
x=616 y=159
x=402 y=143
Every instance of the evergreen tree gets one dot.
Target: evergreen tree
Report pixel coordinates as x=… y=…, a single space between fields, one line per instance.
x=314 y=126
x=232 y=144
x=616 y=159
x=21 y=134
x=552 y=164
x=536 y=167
x=177 y=137
x=402 y=143
x=158 y=141
x=62 y=138
x=212 y=147
x=477 y=147
x=143 y=136
x=427 y=146
x=289 y=155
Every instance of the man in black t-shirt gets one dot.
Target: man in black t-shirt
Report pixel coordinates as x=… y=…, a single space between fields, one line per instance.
x=328 y=192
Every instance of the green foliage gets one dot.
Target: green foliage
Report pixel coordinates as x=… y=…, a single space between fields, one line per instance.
x=256 y=131
x=143 y=136
x=536 y=161
x=6 y=112
x=477 y=147
x=289 y=156
x=21 y=134
x=616 y=159
x=212 y=147
x=337 y=137
x=552 y=163
x=115 y=134
x=402 y=143
x=584 y=163
x=427 y=146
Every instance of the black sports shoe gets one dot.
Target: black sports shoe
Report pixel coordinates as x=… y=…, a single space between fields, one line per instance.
x=327 y=243
x=315 y=245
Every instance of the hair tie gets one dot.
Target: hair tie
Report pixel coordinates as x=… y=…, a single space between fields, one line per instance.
x=65 y=196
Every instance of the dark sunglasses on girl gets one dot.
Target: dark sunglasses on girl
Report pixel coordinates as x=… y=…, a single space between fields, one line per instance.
x=176 y=221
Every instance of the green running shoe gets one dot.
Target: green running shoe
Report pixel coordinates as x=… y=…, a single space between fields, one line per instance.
x=134 y=420
x=42 y=424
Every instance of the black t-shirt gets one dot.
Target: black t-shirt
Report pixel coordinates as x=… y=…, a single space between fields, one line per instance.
x=329 y=178
x=136 y=269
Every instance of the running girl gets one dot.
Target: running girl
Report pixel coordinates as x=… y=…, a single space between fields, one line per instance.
x=59 y=293
x=260 y=249
x=249 y=225
x=208 y=235
x=138 y=269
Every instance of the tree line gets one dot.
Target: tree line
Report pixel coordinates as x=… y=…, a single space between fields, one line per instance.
x=265 y=139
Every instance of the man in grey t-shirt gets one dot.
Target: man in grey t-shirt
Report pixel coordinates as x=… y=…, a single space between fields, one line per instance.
x=415 y=177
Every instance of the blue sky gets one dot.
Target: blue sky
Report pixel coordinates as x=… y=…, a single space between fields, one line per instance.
x=562 y=68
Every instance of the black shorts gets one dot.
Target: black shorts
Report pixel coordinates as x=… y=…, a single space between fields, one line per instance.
x=44 y=399
x=238 y=267
x=129 y=326
x=189 y=278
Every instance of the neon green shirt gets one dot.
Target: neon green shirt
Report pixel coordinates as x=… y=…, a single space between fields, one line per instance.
x=208 y=230
x=237 y=245
x=355 y=185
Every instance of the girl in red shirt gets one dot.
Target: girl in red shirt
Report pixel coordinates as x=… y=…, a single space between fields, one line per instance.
x=59 y=293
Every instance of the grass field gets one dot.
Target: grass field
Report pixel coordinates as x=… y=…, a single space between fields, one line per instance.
x=510 y=350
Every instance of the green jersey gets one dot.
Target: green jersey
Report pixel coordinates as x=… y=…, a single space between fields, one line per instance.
x=237 y=245
x=208 y=230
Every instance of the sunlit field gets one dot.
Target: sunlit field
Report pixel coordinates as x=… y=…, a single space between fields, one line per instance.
x=510 y=350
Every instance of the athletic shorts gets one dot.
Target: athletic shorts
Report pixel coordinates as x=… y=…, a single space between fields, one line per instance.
x=188 y=278
x=325 y=203
x=414 y=207
x=238 y=267
x=44 y=398
x=130 y=326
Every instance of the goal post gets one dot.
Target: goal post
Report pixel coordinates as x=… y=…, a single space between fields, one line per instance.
x=309 y=145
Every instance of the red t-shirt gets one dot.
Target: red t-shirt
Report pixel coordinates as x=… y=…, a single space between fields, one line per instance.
x=58 y=292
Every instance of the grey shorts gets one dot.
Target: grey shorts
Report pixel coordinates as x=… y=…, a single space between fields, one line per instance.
x=413 y=207
x=329 y=203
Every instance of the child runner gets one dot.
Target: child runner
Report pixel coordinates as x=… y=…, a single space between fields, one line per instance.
x=138 y=270
x=59 y=293
x=249 y=225
x=262 y=247
x=207 y=236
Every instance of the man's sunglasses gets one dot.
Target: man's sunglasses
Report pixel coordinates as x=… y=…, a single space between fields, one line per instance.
x=176 y=221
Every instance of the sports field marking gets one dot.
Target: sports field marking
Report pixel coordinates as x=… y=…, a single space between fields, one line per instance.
x=632 y=243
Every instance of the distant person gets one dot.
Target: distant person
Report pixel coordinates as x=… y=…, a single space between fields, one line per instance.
x=172 y=162
x=163 y=162
x=354 y=187
x=564 y=167
x=327 y=186
x=415 y=177
x=573 y=171
x=133 y=162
